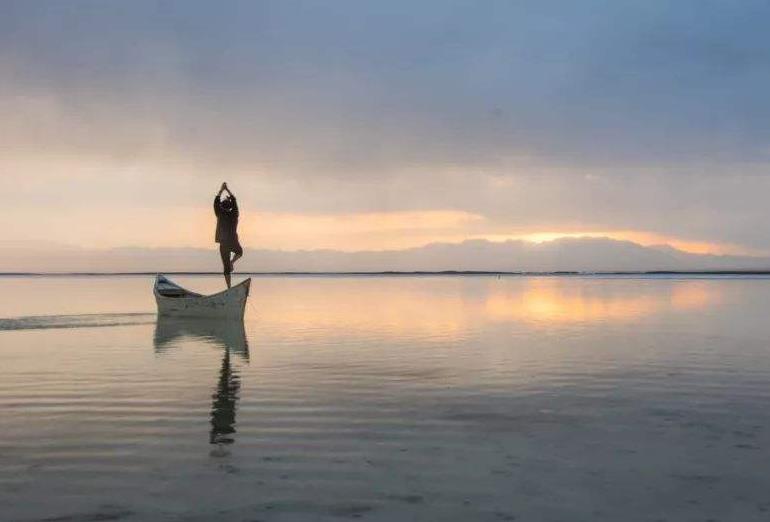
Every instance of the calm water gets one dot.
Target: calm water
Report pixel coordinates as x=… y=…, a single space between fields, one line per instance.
x=388 y=398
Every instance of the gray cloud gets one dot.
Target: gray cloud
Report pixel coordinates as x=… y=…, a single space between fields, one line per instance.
x=501 y=108
x=347 y=86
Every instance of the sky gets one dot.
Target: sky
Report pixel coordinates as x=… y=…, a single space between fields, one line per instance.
x=356 y=125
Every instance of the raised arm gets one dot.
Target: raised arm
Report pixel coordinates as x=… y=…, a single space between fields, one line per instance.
x=232 y=197
x=217 y=208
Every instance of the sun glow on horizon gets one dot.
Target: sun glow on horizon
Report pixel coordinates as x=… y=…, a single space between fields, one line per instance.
x=642 y=238
x=193 y=226
x=411 y=229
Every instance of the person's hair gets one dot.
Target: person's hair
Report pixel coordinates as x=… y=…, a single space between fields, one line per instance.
x=227 y=203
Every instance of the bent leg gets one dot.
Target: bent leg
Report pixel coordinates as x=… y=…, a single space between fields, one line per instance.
x=238 y=251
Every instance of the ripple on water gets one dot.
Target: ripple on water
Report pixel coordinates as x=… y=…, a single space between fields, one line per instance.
x=451 y=399
x=41 y=322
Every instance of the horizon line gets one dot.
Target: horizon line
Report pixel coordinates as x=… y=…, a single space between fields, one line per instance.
x=402 y=273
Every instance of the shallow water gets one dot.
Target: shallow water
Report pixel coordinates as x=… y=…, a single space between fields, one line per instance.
x=388 y=398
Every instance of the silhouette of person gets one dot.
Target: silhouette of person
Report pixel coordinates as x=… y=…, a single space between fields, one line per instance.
x=226 y=210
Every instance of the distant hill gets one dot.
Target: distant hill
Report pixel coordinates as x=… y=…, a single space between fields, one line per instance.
x=567 y=254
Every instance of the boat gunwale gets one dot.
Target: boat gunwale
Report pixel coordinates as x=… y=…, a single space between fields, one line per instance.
x=246 y=283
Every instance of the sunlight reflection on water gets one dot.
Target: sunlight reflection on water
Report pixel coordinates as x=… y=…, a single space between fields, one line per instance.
x=452 y=398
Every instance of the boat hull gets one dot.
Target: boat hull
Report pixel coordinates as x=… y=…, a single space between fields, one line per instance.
x=230 y=303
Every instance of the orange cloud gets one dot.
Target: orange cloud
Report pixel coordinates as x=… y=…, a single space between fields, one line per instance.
x=351 y=232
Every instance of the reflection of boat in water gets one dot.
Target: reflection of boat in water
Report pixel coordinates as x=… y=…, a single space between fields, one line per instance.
x=230 y=335
x=173 y=300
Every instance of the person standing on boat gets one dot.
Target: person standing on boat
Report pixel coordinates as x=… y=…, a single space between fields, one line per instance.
x=226 y=210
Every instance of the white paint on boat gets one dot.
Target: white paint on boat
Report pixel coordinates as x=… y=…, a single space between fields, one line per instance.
x=175 y=301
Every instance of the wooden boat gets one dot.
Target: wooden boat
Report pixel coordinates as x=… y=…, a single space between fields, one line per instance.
x=175 y=301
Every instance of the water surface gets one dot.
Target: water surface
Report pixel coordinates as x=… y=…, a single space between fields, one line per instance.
x=388 y=398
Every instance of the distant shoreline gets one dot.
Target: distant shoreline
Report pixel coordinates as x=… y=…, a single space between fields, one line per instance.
x=402 y=273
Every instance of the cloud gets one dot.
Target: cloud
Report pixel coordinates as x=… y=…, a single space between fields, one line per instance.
x=303 y=86
x=632 y=115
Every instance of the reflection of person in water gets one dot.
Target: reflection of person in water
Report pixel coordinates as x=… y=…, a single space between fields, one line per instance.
x=223 y=407
x=228 y=336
